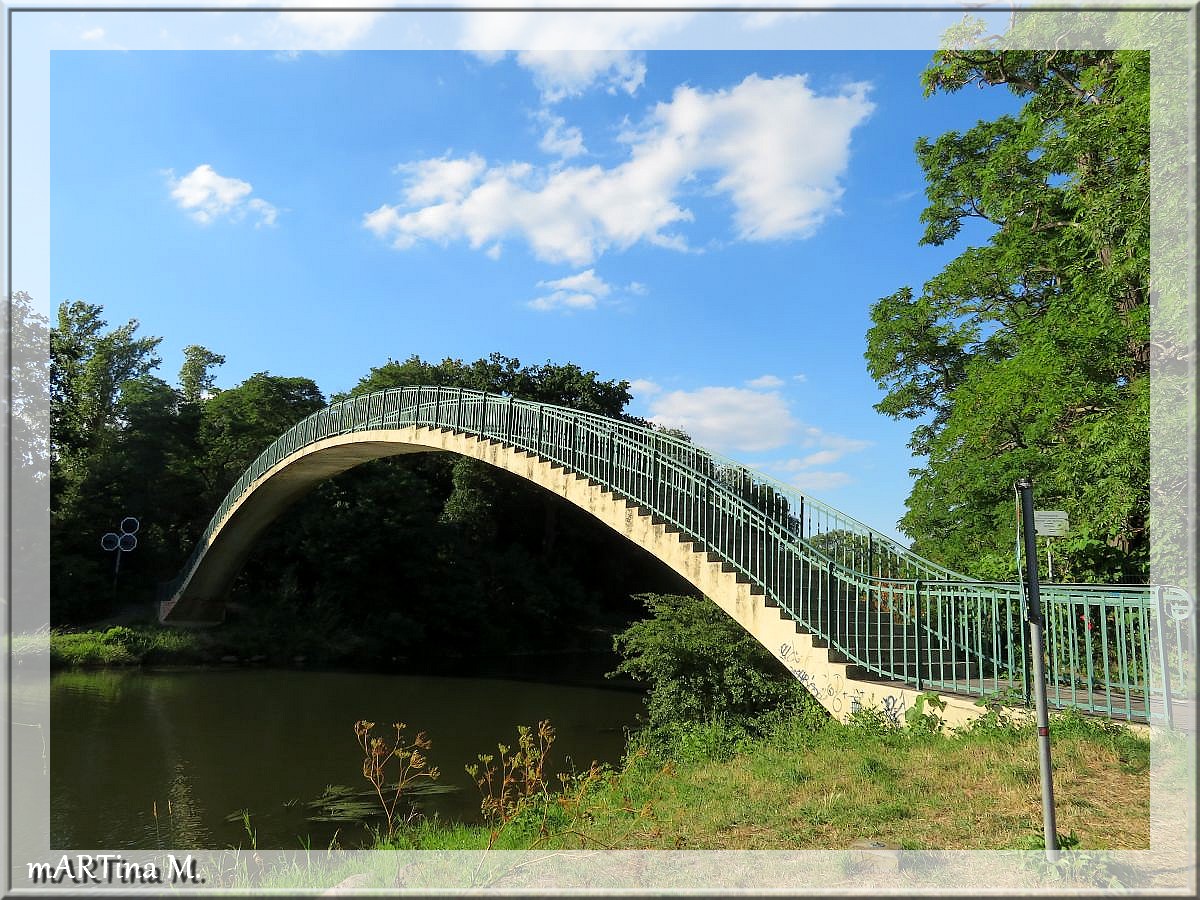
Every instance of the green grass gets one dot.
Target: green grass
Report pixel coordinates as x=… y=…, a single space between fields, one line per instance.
x=807 y=784
x=804 y=787
x=122 y=646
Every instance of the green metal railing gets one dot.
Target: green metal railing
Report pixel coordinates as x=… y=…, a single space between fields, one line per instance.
x=1125 y=651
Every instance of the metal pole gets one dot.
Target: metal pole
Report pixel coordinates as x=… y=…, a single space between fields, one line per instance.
x=1026 y=664
x=116 y=572
x=917 y=632
x=1025 y=490
x=1163 y=662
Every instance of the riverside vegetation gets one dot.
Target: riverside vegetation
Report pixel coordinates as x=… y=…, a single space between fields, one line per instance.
x=735 y=754
x=761 y=766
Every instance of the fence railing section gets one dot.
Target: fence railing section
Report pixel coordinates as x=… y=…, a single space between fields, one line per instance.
x=1126 y=651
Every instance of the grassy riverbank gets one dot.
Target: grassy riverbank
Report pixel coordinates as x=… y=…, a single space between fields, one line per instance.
x=251 y=639
x=120 y=645
x=813 y=783
x=810 y=783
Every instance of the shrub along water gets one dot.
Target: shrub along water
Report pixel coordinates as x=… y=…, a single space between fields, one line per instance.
x=734 y=754
x=807 y=782
x=124 y=646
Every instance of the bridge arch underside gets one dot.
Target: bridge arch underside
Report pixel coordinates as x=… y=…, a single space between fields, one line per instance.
x=834 y=684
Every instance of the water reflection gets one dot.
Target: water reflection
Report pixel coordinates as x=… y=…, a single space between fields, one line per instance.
x=172 y=759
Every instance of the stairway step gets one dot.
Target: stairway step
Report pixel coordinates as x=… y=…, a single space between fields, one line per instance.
x=956 y=672
x=898 y=656
x=898 y=643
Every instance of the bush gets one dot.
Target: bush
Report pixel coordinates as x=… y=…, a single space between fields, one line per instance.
x=692 y=743
x=701 y=666
x=122 y=646
x=90 y=648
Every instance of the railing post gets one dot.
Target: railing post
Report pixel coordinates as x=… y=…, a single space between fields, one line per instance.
x=437 y=407
x=654 y=489
x=458 y=412
x=612 y=460
x=508 y=425
x=1160 y=612
x=870 y=565
x=539 y=432
x=917 y=618
x=801 y=528
x=482 y=416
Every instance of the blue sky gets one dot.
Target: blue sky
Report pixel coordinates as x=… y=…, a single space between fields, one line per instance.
x=712 y=226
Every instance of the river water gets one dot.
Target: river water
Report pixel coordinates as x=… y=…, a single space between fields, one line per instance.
x=166 y=759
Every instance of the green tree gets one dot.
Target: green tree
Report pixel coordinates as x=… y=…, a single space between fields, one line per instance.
x=195 y=378
x=700 y=664
x=90 y=368
x=88 y=365
x=239 y=423
x=563 y=384
x=381 y=552
x=25 y=337
x=1029 y=354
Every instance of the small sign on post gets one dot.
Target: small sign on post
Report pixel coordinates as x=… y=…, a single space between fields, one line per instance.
x=1050 y=522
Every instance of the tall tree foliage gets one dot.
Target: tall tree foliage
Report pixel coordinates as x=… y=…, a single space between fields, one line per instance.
x=699 y=664
x=376 y=556
x=1029 y=353
x=419 y=534
x=90 y=368
x=24 y=332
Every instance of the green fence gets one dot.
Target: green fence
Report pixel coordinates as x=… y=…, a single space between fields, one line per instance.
x=1125 y=651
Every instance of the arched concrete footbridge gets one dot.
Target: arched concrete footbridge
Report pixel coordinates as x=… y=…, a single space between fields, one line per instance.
x=854 y=615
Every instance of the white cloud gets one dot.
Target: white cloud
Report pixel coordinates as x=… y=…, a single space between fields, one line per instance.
x=636 y=288
x=568 y=53
x=266 y=212
x=820 y=481
x=757 y=21
x=581 y=291
x=563 y=300
x=765 y=382
x=802 y=471
x=561 y=139
x=93 y=34
x=320 y=29
x=800 y=376
x=816 y=437
x=821 y=458
x=207 y=196
x=643 y=387
x=776 y=148
x=726 y=417
x=443 y=179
